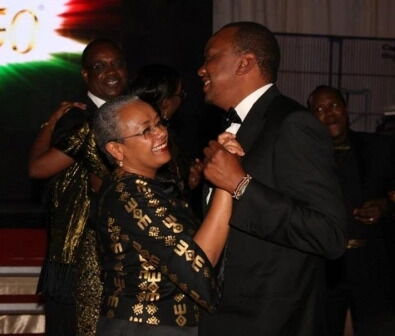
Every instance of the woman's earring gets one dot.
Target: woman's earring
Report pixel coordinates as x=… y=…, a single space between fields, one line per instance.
x=120 y=163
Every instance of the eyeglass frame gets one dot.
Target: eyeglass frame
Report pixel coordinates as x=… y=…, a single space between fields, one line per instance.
x=116 y=65
x=159 y=125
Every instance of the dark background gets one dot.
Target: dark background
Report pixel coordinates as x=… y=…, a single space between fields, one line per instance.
x=173 y=32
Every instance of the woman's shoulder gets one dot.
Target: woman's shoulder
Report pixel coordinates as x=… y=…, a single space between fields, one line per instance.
x=138 y=186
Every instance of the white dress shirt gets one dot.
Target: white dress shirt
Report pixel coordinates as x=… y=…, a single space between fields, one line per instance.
x=242 y=110
x=96 y=100
x=245 y=105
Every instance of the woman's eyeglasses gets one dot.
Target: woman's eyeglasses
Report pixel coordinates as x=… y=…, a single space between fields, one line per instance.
x=101 y=66
x=148 y=132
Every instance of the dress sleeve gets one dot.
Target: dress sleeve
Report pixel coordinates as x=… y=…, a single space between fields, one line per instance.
x=70 y=133
x=161 y=231
x=95 y=161
x=78 y=142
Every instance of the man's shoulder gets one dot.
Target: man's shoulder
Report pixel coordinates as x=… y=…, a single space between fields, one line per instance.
x=76 y=116
x=364 y=138
x=283 y=108
x=73 y=119
x=371 y=141
x=287 y=103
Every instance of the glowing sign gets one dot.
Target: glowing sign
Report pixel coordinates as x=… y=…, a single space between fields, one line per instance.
x=28 y=30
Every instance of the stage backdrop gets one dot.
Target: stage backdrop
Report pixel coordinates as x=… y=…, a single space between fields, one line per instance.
x=349 y=44
x=40 y=47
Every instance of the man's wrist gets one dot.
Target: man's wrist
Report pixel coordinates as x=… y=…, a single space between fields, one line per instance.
x=241 y=187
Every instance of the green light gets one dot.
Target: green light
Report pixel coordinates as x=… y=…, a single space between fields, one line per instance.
x=24 y=73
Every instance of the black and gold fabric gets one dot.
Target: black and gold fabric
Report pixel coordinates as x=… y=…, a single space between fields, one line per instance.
x=71 y=272
x=154 y=272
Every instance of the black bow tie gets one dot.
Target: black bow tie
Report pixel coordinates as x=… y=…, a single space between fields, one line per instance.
x=231 y=117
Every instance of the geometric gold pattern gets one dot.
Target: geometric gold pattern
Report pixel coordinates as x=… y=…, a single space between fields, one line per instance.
x=156 y=267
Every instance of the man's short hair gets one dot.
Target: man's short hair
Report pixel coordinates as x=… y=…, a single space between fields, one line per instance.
x=92 y=44
x=320 y=88
x=257 y=39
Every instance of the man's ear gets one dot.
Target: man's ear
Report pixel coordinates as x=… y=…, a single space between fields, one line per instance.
x=84 y=74
x=115 y=149
x=246 y=64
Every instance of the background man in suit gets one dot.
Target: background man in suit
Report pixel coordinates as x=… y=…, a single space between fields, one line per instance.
x=288 y=211
x=360 y=279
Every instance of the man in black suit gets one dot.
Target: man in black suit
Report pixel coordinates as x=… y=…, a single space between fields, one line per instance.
x=360 y=279
x=288 y=214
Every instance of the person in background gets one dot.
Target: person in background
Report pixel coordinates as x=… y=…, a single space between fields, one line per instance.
x=156 y=258
x=288 y=216
x=161 y=86
x=65 y=151
x=386 y=129
x=359 y=280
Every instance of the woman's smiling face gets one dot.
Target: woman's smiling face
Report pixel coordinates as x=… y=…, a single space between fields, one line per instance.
x=143 y=139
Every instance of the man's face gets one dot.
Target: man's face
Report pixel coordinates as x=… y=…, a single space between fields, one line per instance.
x=329 y=108
x=105 y=72
x=218 y=72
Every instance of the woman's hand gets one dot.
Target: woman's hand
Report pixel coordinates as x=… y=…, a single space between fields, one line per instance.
x=371 y=211
x=44 y=160
x=228 y=140
x=64 y=107
x=195 y=174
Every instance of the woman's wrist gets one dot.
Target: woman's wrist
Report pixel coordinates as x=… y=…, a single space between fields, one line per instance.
x=50 y=123
x=47 y=126
x=44 y=124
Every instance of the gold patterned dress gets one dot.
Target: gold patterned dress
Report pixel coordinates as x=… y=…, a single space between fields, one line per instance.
x=154 y=272
x=71 y=272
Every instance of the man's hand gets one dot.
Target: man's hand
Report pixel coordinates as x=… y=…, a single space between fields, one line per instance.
x=222 y=168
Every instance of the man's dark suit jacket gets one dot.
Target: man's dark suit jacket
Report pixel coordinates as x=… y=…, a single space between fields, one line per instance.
x=376 y=170
x=360 y=279
x=74 y=118
x=289 y=220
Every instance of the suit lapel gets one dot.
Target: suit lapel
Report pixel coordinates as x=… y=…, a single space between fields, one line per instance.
x=250 y=128
x=91 y=108
x=253 y=123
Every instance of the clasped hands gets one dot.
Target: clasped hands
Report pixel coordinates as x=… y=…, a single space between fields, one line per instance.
x=221 y=165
